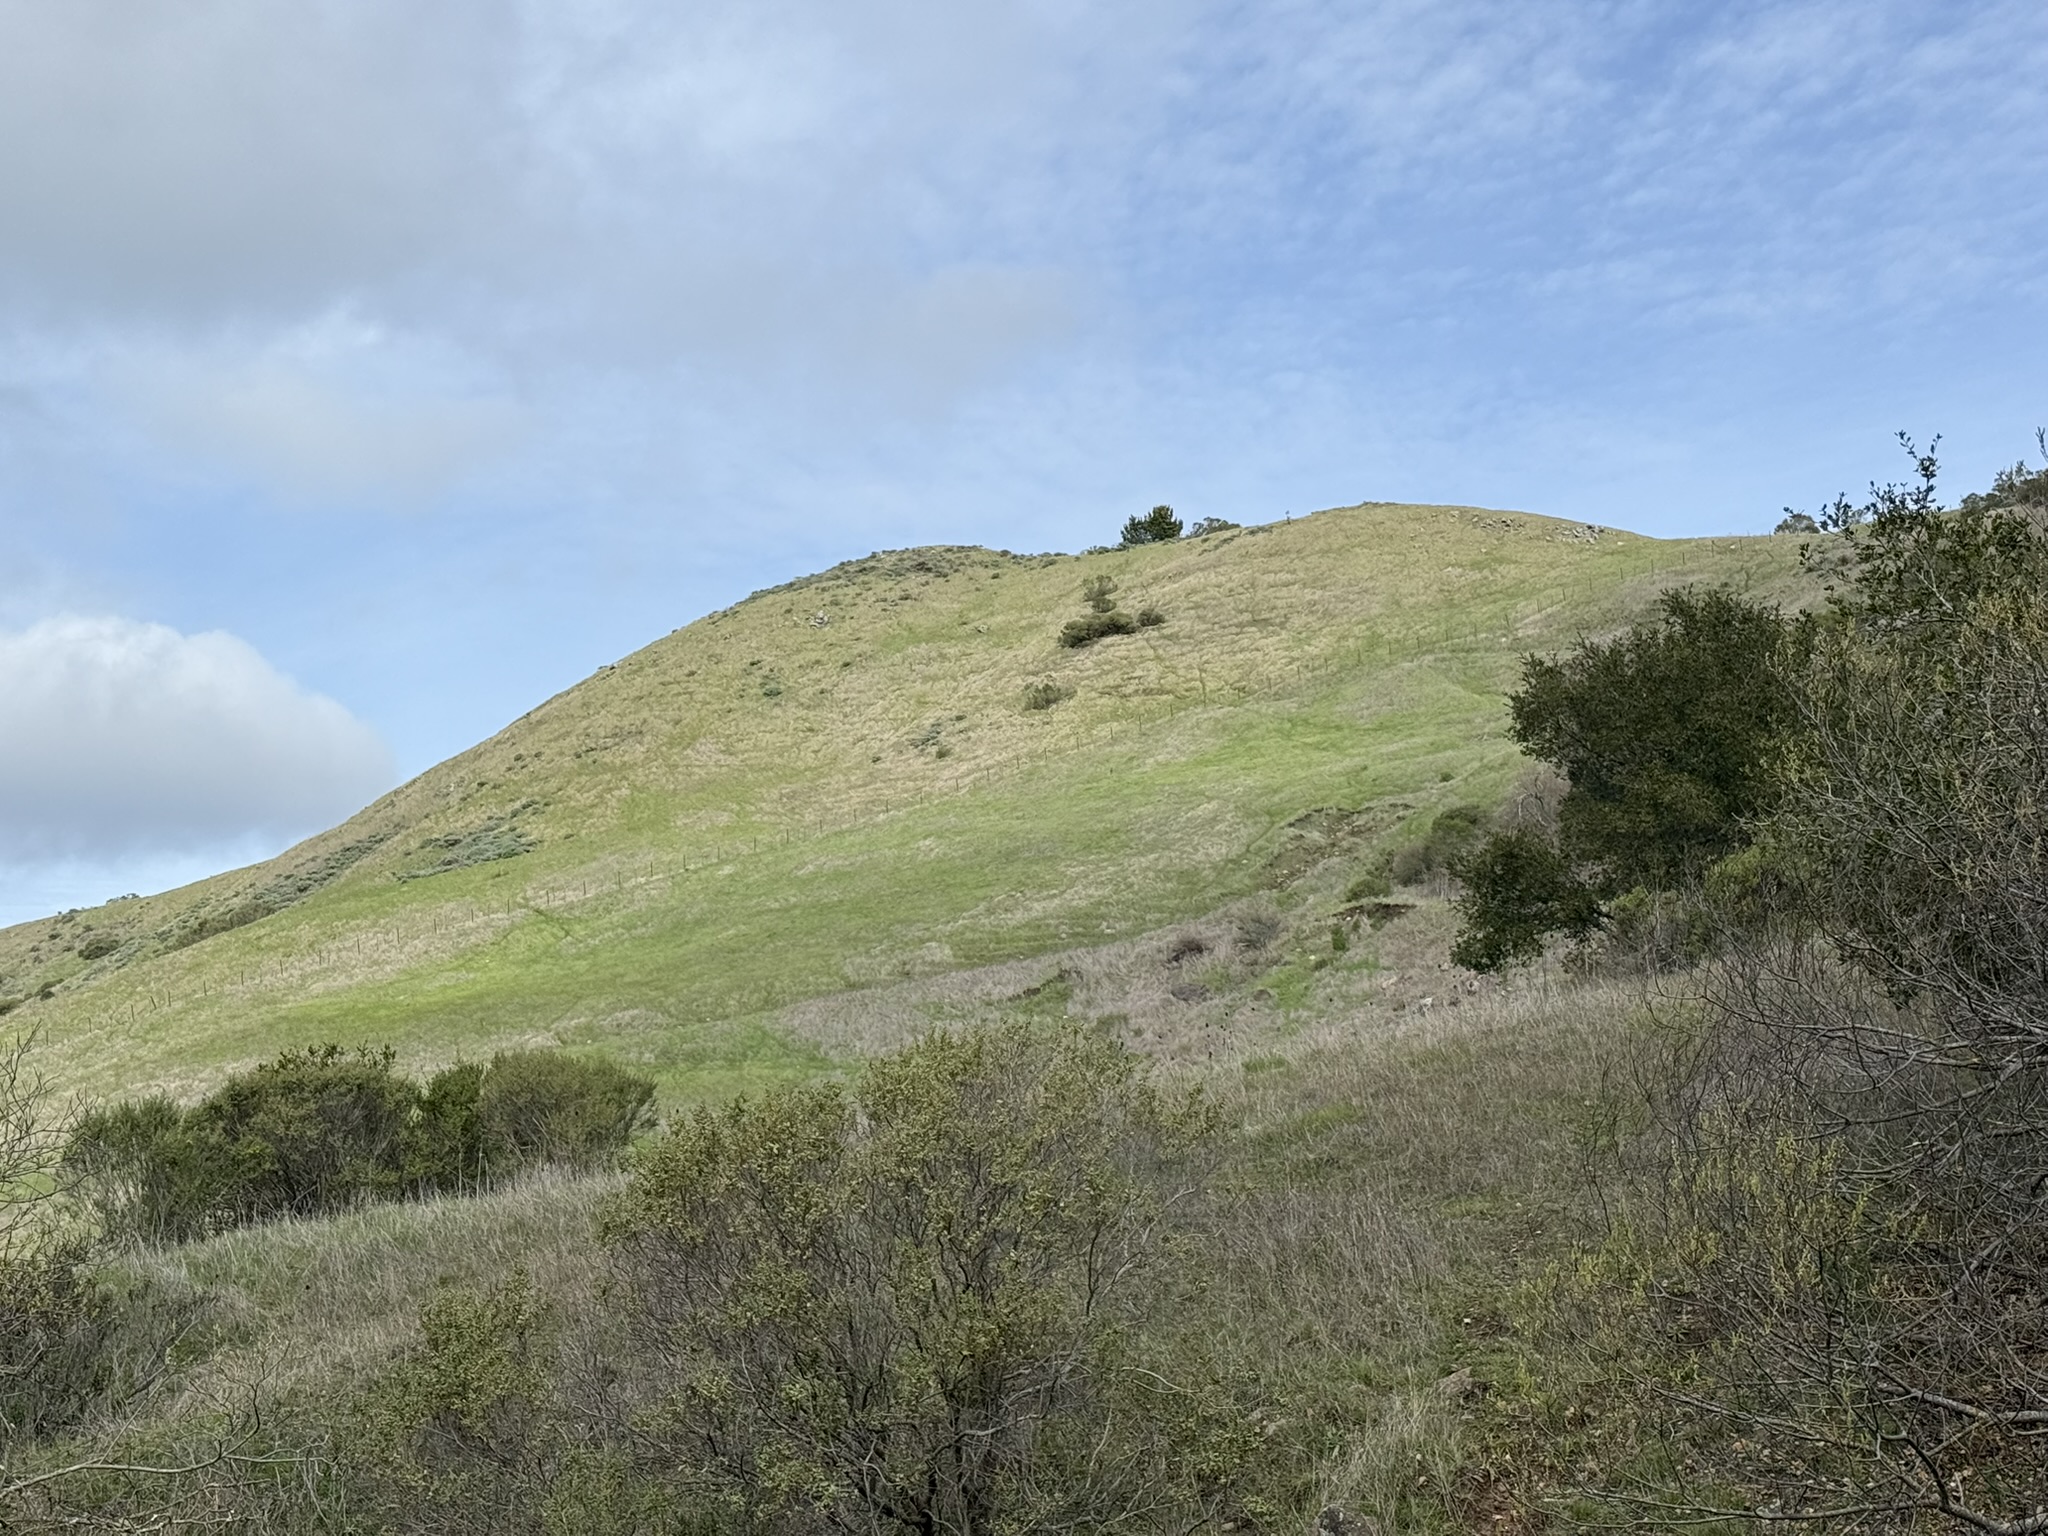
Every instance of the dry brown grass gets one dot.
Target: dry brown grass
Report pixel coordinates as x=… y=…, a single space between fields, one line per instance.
x=310 y=1309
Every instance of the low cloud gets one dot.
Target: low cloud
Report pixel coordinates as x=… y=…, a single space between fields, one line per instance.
x=301 y=435
x=120 y=739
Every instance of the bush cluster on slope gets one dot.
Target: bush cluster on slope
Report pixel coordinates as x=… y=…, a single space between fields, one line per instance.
x=1825 y=1261
x=1104 y=618
x=325 y=1128
x=921 y=1302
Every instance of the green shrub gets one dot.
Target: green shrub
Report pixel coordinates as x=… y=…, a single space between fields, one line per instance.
x=445 y=1143
x=1043 y=695
x=78 y=1341
x=53 y=1318
x=916 y=1305
x=548 y=1107
x=1666 y=735
x=1208 y=525
x=1373 y=885
x=458 y=1434
x=1159 y=526
x=1098 y=592
x=1518 y=891
x=1086 y=631
x=1150 y=617
x=315 y=1130
x=1451 y=834
x=146 y=1172
x=323 y=1129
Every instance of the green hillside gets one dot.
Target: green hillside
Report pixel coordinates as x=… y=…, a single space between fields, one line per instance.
x=837 y=784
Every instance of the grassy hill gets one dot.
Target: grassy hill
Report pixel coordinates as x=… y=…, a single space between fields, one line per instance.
x=837 y=784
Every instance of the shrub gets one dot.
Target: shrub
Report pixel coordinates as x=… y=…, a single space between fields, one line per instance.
x=1098 y=592
x=1841 y=1242
x=146 y=1171
x=548 y=1107
x=1518 y=890
x=51 y=1320
x=1210 y=525
x=315 y=1130
x=1370 y=886
x=70 y=1344
x=1665 y=735
x=1451 y=834
x=456 y=1436
x=1159 y=526
x=76 y=1343
x=445 y=1146
x=1043 y=695
x=322 y=1129
x=1150 y=618
x=914 y=1305
x=1086 y=631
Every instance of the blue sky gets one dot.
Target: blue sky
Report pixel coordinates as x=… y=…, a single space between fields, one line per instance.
x=374 y=370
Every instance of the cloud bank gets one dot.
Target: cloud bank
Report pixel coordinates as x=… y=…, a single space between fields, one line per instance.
x=121 y=739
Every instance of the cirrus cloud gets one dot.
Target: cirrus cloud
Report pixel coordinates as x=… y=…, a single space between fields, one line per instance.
x=120 y=738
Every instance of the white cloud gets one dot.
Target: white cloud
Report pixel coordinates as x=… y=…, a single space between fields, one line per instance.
x=302 y=430
x=119 y=738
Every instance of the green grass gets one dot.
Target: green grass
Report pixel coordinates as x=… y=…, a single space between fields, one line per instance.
x=1389 y=1175
x=708 y=851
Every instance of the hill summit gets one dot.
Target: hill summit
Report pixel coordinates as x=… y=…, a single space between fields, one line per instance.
x=891 y=769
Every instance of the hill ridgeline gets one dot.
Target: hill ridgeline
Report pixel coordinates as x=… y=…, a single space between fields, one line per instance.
x=891 y=769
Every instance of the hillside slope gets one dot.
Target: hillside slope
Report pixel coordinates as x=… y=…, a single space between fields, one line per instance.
x=837 y=783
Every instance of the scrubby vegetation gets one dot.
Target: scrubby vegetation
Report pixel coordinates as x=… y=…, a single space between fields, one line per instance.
x=1104 y=618
x=1076 y=633
x=320 y=1130
x=1665 y=736
x=1821 y=1273
x=1710 y=1197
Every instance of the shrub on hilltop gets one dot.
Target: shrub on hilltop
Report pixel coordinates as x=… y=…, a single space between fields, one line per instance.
x=1159 y=526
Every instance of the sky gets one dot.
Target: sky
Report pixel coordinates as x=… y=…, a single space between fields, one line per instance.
x=371 y=371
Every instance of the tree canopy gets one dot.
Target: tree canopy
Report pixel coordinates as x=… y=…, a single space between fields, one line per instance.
x=1159 y=526
x=1665 y=734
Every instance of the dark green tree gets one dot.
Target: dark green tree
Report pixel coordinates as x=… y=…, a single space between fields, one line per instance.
x=1665 y=735
x=1159 y=526
x=1518 y=891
